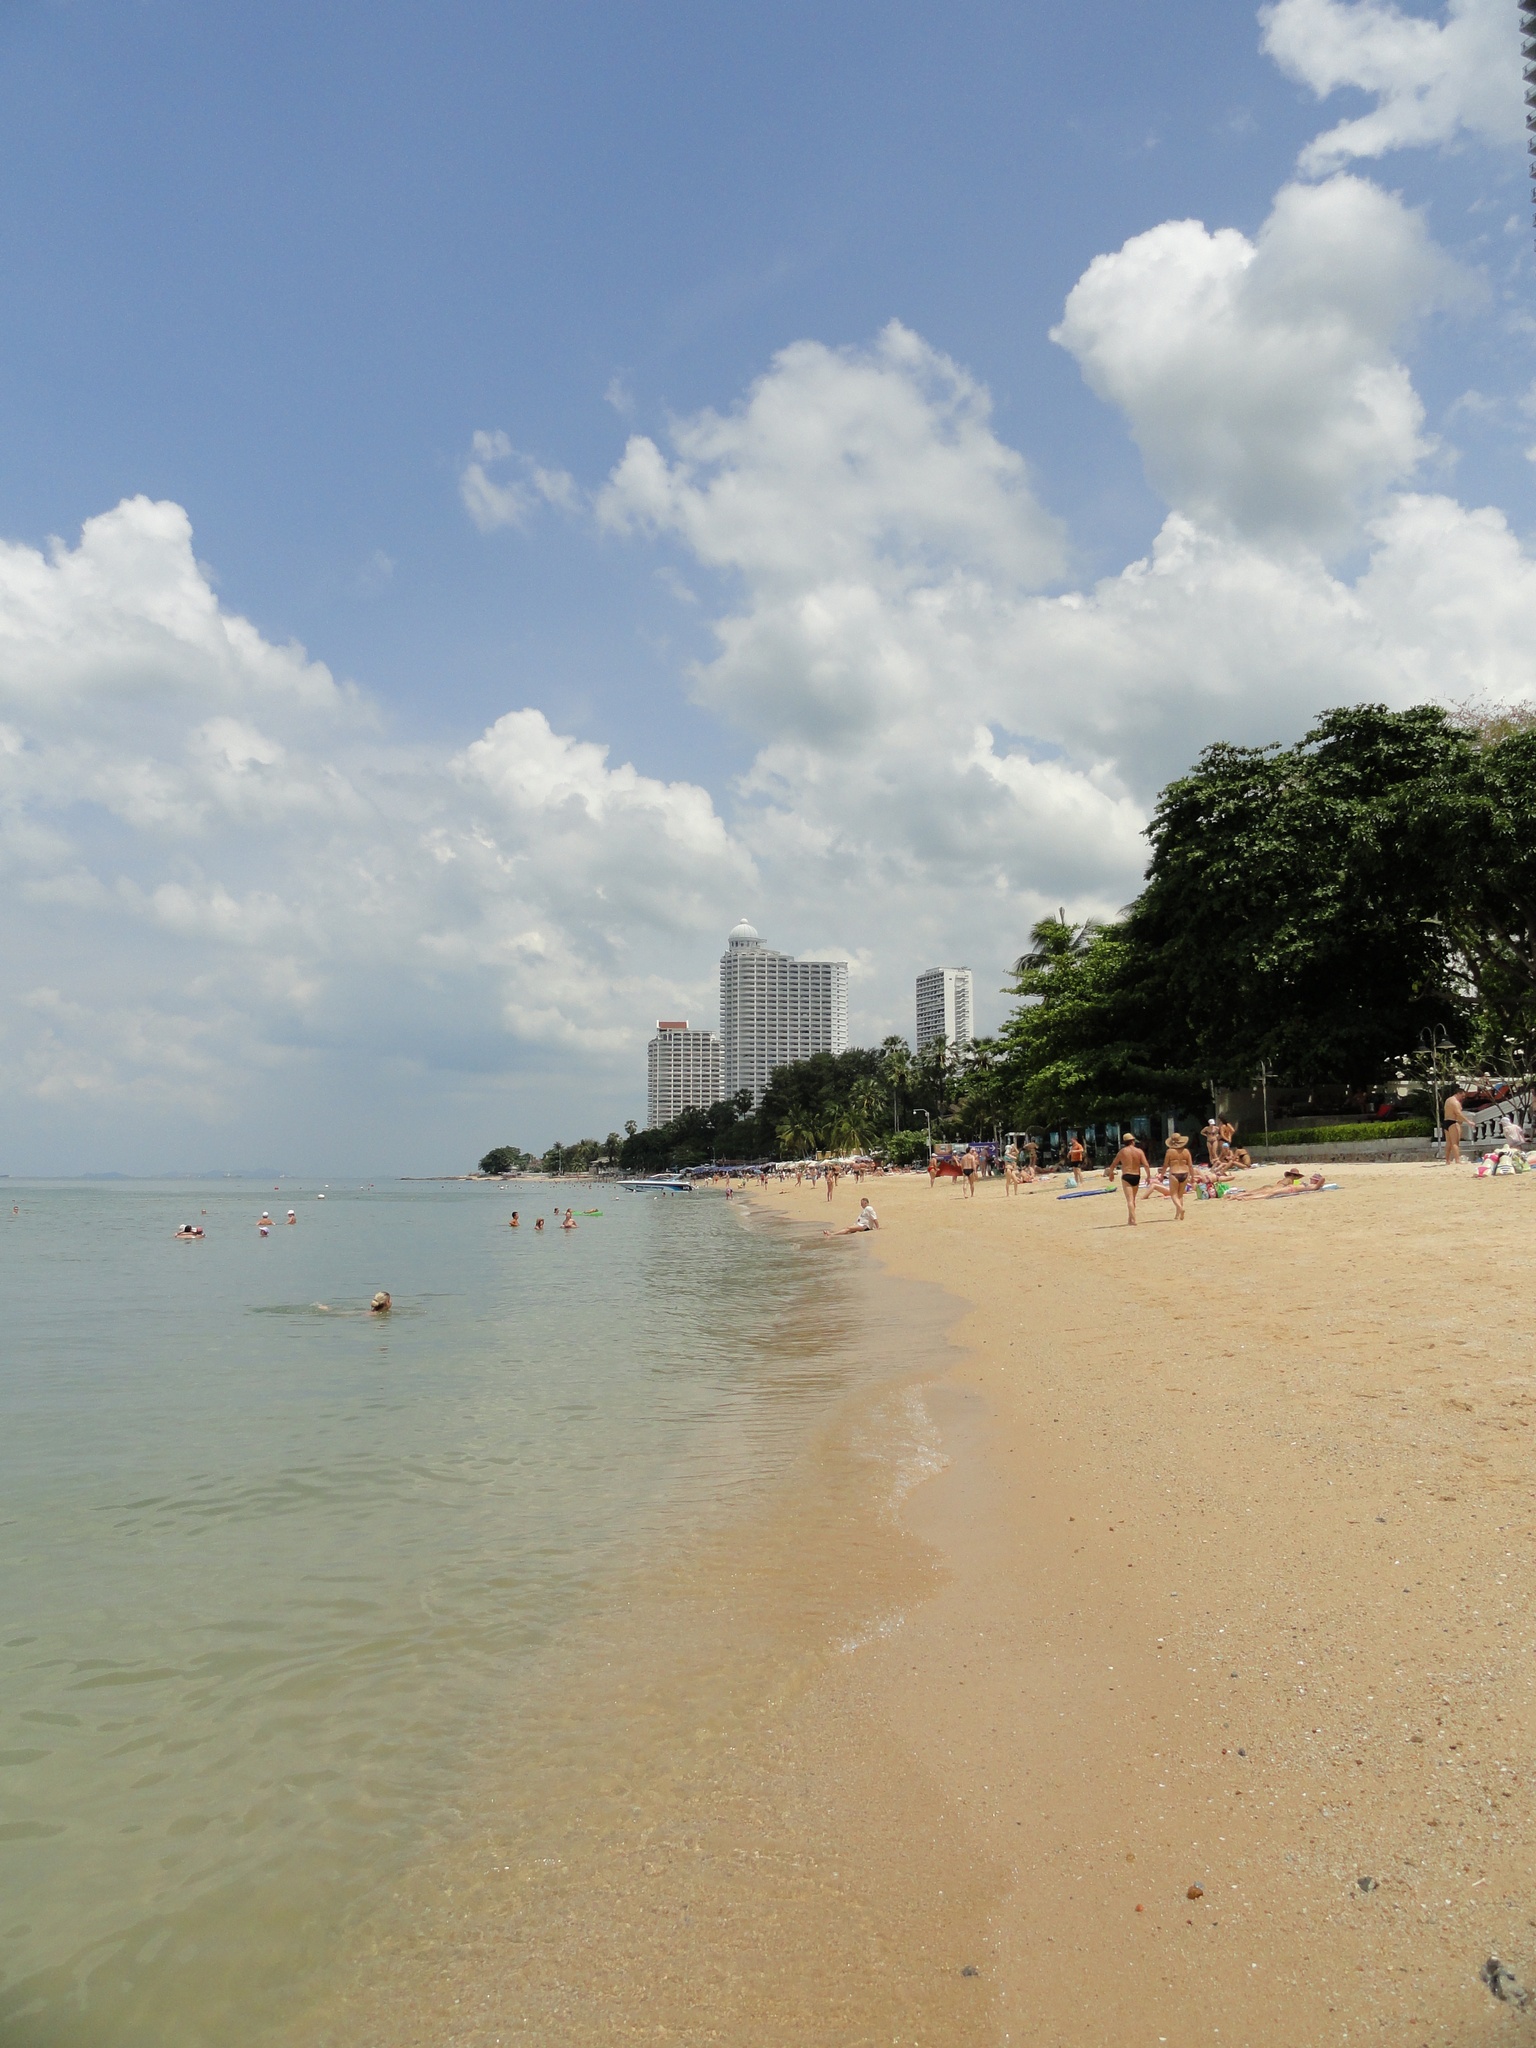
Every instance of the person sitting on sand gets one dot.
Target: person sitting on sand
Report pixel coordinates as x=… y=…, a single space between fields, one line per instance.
x=865 y=1220
x=569 y=1222
x=1130 y=1162
x=514 y=1224
x=1180 y=1167
x=381 y=1304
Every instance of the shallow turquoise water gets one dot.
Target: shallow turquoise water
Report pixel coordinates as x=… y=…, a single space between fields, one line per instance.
x=268 y=1570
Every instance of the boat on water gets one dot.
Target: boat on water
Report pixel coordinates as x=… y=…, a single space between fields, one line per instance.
x=660 y=1184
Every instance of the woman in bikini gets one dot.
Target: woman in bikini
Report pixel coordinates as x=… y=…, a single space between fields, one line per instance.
x=1180 y=1169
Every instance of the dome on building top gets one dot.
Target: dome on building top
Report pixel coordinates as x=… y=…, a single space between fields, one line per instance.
x=743 y=934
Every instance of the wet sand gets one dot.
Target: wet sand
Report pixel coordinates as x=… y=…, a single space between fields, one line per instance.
x=1237 y=1538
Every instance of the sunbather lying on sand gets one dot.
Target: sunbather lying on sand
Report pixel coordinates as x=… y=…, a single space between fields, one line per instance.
x=1292 y=1182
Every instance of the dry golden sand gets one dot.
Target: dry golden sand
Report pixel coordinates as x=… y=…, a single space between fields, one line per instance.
x=1239 y=1530
x=1225 y=1583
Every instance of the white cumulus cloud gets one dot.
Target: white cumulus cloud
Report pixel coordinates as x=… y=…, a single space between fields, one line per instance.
x=1432 y=80
x=1259 y=377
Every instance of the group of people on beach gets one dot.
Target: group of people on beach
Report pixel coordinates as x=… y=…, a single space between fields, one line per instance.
x=1179 y=1175
x=1454 y=1119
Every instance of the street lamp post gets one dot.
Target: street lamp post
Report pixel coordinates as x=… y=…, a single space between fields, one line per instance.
x=1435 y=1042
x=928 y=1120
x=1264 y=1086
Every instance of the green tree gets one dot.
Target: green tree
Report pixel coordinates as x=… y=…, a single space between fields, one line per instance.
x=1295 y=907
x=1494 y=914
x=505 y=1159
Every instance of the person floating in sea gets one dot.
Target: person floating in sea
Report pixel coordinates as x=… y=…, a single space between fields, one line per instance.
x=831 y=1179
x=1130 y=1162
x=865 y=1220
x=190 y=1230
x=514 y=1225
x=1179 y=1167
x=538 y=1223
x=381 y=1304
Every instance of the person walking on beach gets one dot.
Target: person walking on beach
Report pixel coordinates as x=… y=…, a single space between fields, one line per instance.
x=1130 y=1162
x=1180 y=1168
x=969 y=1164
x=1453 y=1116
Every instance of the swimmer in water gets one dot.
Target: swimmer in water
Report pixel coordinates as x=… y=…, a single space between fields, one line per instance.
x=189 y=1230
x=539 y=1223
x=292 y=1216
x=514 y=1225
x=380 y=1304
x=569 y=1222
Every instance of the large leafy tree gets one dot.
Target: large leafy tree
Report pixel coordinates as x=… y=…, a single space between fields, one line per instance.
x=1296 y=902
x=1494 y=907
x=1082 y=1045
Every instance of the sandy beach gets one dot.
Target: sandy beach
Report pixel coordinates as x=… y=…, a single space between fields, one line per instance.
x=1237 y=1532
x=1188 y=1559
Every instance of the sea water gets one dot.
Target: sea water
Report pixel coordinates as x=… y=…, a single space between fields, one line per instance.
x=273 y=1568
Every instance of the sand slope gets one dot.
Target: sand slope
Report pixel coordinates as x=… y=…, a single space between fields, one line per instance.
x=1239 y=1527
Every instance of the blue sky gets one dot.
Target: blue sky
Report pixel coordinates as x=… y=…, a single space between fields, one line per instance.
x=279 y=267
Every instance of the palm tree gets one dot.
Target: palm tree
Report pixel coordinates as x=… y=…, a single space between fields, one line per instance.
x=1054 y=940
x=796 y=1137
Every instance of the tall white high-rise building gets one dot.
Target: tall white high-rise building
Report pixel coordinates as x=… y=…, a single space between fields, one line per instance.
x=944 y=1007
x=683 y=1071
x=775 y=1009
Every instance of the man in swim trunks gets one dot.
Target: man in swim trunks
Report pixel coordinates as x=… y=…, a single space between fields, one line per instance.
x=1211 y=1132
x=1075 y=1157
x=1130 y=1162
x=1180 y=1168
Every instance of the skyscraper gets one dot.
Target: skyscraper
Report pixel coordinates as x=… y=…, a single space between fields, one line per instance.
x=944 y=1007
x=775 y=1009
x=683 y=1071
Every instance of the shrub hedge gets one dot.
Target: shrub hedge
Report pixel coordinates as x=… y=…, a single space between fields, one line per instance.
x=1350 y=1134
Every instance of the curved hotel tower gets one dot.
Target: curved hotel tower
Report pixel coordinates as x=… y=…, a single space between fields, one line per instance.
x=775 y=1009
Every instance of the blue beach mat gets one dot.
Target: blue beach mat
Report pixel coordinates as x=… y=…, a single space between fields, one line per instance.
x=1082 y=1194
